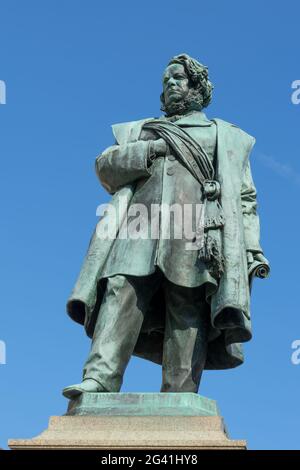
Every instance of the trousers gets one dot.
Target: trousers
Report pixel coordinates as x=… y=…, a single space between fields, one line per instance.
x=119 y=322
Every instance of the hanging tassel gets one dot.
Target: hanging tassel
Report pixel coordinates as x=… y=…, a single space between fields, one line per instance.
x=209 y=238
x=211 y=254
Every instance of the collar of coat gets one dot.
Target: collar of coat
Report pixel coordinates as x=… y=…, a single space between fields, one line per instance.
x=130 y=131
x=195 y=119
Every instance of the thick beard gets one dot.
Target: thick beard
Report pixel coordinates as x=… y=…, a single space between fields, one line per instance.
x=192 y=102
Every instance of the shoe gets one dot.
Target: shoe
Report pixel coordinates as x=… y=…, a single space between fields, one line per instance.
x=88 y=385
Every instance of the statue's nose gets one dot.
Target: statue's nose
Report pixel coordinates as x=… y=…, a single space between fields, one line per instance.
x=171 y=82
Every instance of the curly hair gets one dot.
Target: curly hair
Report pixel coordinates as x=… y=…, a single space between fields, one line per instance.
x=201 y=89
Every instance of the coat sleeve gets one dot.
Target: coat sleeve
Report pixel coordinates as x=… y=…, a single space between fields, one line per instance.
x=123 y=164
x=249 y=211
x=255 y=256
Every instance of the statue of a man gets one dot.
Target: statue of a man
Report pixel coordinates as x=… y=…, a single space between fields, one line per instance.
x=154 y=296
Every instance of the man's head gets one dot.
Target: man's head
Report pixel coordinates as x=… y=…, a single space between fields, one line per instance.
x=186 y=86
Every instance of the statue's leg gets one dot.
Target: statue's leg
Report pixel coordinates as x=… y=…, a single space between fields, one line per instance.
x=117 y=328
x=186 y=338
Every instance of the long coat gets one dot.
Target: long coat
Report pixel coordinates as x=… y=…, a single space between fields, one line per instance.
x=230 y=303
x=162 y=239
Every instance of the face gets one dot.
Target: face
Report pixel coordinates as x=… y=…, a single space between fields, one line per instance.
x=175 y=84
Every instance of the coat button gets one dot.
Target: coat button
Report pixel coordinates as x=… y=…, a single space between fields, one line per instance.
x=171 y=158
x=170 y=171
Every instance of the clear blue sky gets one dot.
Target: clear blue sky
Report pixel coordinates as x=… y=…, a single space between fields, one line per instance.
x=72 y=68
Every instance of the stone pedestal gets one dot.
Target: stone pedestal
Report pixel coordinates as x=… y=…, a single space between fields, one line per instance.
x=135 y=421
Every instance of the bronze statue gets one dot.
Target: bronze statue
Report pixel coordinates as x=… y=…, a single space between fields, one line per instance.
x=179 y=301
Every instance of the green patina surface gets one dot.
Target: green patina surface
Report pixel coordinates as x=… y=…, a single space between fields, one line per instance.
x=183 y=158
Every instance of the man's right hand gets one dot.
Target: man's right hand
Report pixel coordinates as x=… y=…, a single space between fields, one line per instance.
x=159 y=147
